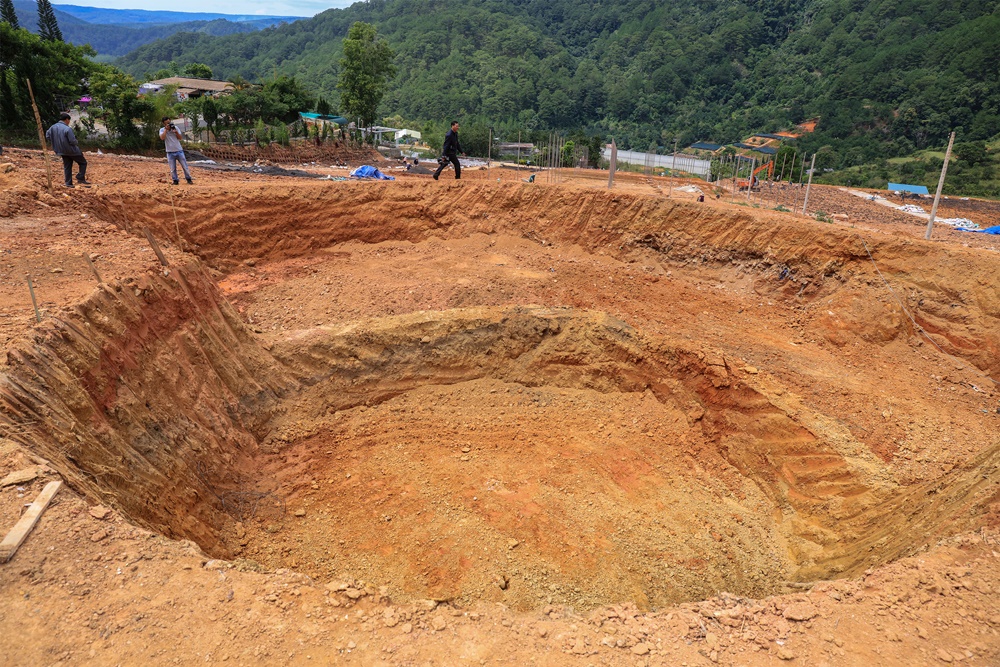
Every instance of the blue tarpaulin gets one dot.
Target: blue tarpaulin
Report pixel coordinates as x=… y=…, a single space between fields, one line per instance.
x=988 y=230
x=339 y=120
x=368 y=171
x=903 y=187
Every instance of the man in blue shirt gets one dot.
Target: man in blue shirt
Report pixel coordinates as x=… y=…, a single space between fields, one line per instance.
x=171 y=138
x=60 y=136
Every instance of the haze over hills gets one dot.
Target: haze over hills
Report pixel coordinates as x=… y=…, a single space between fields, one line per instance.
x=115 y=32
x=144 y=16
x=884 y=77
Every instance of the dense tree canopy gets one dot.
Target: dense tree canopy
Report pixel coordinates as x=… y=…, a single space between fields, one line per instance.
x=883 y=76
x=56 y=70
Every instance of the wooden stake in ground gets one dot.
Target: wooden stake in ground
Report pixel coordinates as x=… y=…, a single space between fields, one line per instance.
x=41 y=138
x=34 y=303
x=156 y=247
x=613 y=164
x=15 y=538
x=753 y=164
x=93 y=268
x=812 y=168
x=937 y=195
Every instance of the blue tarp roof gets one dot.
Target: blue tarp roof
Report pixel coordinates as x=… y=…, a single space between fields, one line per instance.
x=706 y=146
x=903 y=187
x=760 y=149
x=774 y=136
x=339 y=120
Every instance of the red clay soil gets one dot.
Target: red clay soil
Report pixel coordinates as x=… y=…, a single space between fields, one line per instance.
x=423 y=422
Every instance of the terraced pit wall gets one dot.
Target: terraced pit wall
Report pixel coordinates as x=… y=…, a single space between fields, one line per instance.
x=950 y=292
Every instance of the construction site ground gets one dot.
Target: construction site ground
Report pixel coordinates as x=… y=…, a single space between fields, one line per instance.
x=493 y=422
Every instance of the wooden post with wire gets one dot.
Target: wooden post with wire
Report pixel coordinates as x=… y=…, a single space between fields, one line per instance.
x=156 y=247
x=34 y=302
x=41 y=138
x=937 y=195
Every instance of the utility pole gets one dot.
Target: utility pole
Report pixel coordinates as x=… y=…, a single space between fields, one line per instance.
x=937 y=196
x=812 y=168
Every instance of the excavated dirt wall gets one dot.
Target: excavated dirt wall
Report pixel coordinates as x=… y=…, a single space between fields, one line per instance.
x=146 y=397
x=153 y=397
x=948 y=290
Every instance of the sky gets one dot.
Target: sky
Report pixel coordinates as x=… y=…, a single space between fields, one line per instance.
x=263 y=7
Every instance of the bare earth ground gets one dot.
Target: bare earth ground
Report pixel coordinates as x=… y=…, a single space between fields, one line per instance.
x=451 y=423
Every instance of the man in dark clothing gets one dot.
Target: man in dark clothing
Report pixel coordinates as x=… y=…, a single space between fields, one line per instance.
x=60 y=136
x=450 y=152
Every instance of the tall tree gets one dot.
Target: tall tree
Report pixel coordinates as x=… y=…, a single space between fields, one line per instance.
x=198 y=71
x=48 y=27
x=8 y=14
x=365 y=71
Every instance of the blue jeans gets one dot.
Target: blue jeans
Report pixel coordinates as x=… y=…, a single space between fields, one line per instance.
x=173 y=159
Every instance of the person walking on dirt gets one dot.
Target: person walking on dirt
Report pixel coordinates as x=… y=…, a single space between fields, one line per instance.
x=450 y=151
x=171 y=138
x=60 y=136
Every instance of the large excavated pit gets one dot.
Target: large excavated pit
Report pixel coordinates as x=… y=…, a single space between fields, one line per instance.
x=545 y=442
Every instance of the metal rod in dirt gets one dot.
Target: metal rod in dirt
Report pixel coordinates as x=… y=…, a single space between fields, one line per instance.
x=34 y=302
x=41 y=137
x=812 y=168
x=519 y=150
x=489 y=155
x=937 y=195
x=90 y=263
x=156 y=247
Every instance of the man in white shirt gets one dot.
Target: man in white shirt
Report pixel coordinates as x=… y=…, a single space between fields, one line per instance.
x=171 y=138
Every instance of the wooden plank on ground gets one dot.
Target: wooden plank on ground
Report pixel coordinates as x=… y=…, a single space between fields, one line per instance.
x=20 y=531
x=21 y=476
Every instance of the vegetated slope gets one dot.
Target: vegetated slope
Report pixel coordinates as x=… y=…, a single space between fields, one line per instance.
x=884 y=76
x=115 y=38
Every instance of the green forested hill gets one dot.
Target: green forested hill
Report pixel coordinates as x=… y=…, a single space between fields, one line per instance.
x=114 y=32
x=885 y=76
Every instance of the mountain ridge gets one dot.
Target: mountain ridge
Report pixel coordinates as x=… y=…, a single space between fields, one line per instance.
x=884 y=77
